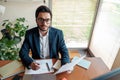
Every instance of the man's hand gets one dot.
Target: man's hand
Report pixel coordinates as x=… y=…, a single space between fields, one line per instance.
x=35 y=66
x=70 y=70
x=63 y=78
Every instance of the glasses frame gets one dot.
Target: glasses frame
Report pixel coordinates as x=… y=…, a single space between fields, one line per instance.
x=41 y=20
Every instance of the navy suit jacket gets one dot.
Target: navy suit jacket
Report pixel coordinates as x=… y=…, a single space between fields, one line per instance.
x=32 y=41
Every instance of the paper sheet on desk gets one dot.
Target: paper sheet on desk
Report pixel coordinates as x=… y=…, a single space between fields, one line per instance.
x=43 y=67
x=69 y=66
x=83 y=63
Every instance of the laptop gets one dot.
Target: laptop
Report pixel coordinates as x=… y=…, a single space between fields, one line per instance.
x=39 y=77
x=112 y=75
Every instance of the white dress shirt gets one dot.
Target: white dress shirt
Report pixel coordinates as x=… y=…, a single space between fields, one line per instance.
x=44 y=45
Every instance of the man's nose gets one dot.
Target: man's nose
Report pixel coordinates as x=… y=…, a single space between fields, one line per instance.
x=44 y=22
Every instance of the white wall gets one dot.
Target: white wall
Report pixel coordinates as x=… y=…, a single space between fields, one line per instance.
x=15 y=9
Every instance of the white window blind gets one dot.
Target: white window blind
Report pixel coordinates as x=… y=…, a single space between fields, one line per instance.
x=75 y=18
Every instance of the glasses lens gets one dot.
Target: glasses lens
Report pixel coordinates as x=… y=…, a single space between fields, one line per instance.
x=43 y=20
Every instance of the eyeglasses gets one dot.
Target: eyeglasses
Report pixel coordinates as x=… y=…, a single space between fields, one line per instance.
x=44 y=20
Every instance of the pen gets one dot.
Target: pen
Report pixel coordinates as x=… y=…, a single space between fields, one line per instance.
x=48 y=66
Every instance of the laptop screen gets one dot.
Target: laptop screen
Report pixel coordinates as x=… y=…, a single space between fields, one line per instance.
x=39 y=77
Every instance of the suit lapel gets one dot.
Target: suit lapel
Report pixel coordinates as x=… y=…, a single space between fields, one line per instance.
x=37 y=41
x=51 y=36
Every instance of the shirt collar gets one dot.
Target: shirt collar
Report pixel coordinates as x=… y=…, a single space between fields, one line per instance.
x=41 y=34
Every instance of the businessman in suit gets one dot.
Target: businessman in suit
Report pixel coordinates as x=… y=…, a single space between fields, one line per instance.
x=44 y=41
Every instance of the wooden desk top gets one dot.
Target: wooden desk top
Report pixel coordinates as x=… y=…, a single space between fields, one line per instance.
x=96 y=68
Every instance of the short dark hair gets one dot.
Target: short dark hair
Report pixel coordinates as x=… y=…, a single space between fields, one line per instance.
x=42 y=9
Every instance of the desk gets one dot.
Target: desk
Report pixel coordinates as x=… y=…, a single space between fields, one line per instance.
x=96 y=68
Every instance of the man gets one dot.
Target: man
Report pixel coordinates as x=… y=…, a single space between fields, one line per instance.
x=44 y=41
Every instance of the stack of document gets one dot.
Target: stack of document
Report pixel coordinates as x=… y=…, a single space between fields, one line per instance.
x=45 y=67
x=75 y=61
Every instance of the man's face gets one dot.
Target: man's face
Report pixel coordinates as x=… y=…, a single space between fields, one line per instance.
x=43 y=21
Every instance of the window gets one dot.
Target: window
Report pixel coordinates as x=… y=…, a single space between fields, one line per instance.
x=105 y=41
x=75 y=18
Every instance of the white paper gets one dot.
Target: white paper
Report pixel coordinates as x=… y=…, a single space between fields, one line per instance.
x=43 y=67
x=69 y=66
x=64 y=68
x=77 y=60
x=83 y=63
